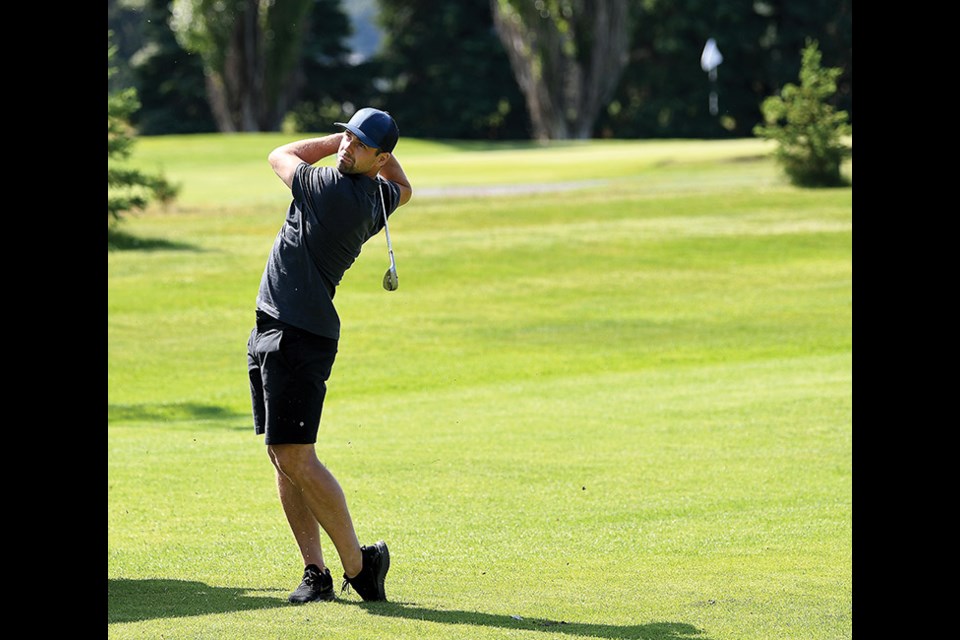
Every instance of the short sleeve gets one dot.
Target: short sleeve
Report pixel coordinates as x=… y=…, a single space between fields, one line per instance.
x=299 y=185
x=391 y=195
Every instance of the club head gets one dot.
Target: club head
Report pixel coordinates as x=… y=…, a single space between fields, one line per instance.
x=390 y=281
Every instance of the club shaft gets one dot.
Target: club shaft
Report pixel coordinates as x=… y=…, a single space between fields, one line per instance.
x=386 y=229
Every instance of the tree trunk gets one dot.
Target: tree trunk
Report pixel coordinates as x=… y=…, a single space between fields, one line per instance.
x=567 y=59
x=251 y=105
x=248 y=48
x=217 y=97
x=611 y=41
x=235 y=93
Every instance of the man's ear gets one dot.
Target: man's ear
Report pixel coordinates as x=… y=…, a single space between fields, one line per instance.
x=383 y=157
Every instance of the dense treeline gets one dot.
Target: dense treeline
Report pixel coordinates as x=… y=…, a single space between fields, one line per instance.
x=665 y=93
x=443 y=71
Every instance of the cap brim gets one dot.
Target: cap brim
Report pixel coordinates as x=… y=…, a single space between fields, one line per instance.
x=365 y=139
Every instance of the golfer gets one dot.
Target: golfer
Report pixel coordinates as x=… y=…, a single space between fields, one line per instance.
x=291 y=350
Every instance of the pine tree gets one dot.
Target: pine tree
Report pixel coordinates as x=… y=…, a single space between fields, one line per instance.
x=808 y=130
x=127 y=189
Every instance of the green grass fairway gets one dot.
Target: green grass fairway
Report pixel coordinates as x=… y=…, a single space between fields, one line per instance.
x=611 y=399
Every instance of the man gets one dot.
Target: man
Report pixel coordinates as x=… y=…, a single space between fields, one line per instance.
x=291 y=350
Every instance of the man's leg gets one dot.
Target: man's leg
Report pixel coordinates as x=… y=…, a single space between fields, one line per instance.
x=305 y=527
x=307 y=489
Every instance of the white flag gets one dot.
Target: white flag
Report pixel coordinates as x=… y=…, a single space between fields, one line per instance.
x=711 y=58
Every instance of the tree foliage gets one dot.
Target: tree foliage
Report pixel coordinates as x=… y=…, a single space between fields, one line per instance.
x=249 y=50
x=325 y=83
x=807 y=128
x=127 y=189
x=169 y=80
x=664 y=92
x=443 y=72
x=567 y=56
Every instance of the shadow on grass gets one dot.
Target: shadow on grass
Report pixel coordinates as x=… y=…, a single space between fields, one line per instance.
x=170 y=412
x=149 y=599
x=135 y=600
x=649 y=631
x=122 y=241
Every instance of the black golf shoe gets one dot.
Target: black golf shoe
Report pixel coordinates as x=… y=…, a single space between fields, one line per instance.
x=369 y=582
x=316 y=586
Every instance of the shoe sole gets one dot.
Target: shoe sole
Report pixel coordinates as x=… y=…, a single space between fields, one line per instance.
x=384 y=567
x=320 y=599
x=330 y=597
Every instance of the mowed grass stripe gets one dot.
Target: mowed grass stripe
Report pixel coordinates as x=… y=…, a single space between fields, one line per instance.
x=640 y=389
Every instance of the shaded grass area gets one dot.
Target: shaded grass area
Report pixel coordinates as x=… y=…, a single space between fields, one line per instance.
x=160 y=412
x=118 y=240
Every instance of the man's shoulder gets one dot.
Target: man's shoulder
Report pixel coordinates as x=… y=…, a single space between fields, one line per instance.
x=324 y=173
x=310 y=178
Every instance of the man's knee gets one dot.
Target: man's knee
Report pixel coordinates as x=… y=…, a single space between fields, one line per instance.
x=290 y=459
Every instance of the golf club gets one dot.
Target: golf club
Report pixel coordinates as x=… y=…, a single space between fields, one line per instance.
x=390 y=281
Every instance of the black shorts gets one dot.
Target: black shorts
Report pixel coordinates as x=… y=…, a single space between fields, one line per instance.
x=288 y=368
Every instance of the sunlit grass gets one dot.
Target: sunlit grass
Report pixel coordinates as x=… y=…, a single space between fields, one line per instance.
x=620 y=411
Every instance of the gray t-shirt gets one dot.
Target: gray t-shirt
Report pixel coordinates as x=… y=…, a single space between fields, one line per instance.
x=332 y=214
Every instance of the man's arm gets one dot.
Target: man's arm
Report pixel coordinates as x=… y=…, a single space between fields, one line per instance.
x=285 y=159
x=393 y=172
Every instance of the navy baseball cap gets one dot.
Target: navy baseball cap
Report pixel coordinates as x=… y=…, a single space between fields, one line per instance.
x=375 y=128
